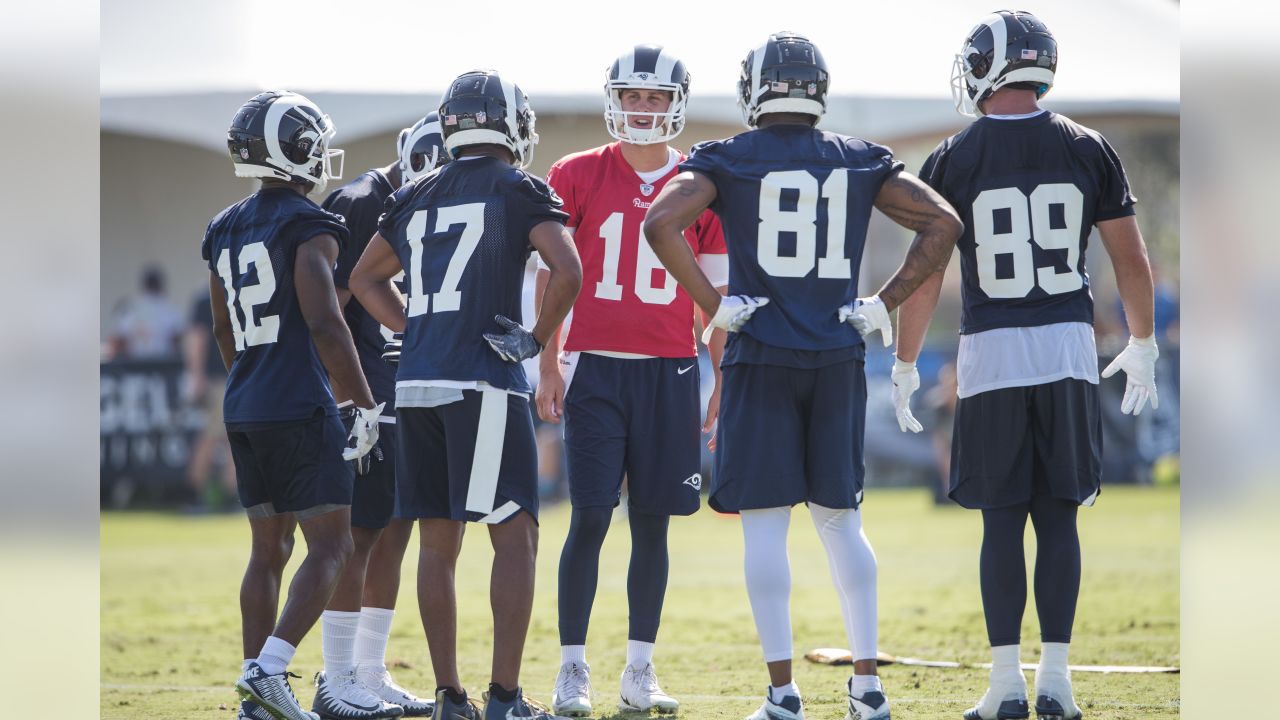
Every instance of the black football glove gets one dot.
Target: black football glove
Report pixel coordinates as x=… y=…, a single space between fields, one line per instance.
x=516 y=344
x=391 y=351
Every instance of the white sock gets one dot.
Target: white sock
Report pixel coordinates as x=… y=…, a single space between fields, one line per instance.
x=372 y=636
x=777 y=693
x=574 y=654
x=338 y=631
x=768 y=573
x=639 y=654
x=862 y=684
x=853 y=570
x=1053 y=658
x=275 y=656
x=1007 y=679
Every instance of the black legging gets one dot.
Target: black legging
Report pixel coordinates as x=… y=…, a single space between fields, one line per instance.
x=580 y=570
x=1003 y=569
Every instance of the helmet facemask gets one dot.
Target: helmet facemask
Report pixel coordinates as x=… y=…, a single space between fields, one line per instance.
x=664 y=126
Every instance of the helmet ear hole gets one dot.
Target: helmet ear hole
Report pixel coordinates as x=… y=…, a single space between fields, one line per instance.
x=979 y=63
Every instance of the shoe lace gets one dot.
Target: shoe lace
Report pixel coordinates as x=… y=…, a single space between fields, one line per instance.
x=575 y=682
x=648 y=680
x=350 y=690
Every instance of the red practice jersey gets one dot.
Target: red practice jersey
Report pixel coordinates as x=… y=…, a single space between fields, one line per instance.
x=629 y=302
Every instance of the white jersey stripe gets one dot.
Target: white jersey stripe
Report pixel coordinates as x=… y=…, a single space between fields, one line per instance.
x=486 y=462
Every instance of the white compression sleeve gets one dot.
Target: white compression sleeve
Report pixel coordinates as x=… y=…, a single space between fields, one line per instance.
x=853 y=570
x=768 y=572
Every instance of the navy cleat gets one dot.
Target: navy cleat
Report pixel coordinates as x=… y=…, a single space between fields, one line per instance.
x=250 y=710
x=272 y=693
x=1048 y=708
x=870 y=705
x=446 y=709
x=789 y=709
x=517 y=707
x=1006 y=710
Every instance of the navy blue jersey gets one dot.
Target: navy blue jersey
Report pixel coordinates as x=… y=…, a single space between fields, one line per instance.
x=794 y=202
x=462 y=235
x=1029 y=192
x=360 y=202
x=277 y=374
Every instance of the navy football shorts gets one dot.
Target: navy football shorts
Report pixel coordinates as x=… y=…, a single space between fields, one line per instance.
x=292 y=467
x=640 y=418
x=1013 y=443
x=789 y=436
x=473 y=460
x=374 y=498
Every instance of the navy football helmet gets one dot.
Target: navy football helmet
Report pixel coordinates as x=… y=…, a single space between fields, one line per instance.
x=785 y=74
x=1005 y=47
x=646 y=67
x=421 y=148
x=481 y=108
x=283 y=135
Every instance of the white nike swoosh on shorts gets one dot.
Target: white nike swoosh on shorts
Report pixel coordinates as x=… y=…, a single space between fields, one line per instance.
x=684 y=370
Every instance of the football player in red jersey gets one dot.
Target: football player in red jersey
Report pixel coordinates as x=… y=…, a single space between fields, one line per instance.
x=624 y=373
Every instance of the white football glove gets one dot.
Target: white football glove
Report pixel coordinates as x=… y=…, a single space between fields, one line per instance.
x=868 y=315
x=906 y=380
x=733 y=313
x=1138 y=361
x=364 y=433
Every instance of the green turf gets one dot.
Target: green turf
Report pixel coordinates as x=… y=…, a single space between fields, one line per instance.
x=170 y=612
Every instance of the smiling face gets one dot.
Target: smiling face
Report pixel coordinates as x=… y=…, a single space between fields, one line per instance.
x=640 y=100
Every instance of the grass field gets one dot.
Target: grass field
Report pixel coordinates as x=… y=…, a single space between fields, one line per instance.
x=171 y=638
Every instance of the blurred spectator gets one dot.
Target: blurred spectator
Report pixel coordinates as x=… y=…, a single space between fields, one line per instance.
x=206 y=383
x=1167 y=319
x=149 y=325
x=939 y=419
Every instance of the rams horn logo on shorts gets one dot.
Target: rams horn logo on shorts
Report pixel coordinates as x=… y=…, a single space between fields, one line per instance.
x=694 y=481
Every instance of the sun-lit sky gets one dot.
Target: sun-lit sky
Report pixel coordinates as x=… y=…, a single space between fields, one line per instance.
x=1110 y=49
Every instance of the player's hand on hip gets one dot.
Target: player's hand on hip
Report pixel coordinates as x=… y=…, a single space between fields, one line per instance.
x=1138 y=361
x=734 y=312
x=906 y=380
x=391 y=351
x=549 y=397
x=868 y=315
x=362 y=440
x=514 y=345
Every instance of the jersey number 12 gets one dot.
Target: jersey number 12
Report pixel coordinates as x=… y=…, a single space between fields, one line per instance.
x=252 y=332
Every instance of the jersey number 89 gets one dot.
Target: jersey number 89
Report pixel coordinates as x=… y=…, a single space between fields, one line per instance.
x=1030 y=220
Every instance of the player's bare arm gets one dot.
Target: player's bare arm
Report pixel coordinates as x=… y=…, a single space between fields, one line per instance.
x=911 y=203
x=222 y=321
x=313 y=277
x=555 y=245
x=1123 y=241
x=370 y=283
x=549 y=397
x=681 y=201
x=715 y=348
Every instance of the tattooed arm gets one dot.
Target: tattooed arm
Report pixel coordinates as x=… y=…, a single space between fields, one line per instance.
x=681 y=201
x=911 y=203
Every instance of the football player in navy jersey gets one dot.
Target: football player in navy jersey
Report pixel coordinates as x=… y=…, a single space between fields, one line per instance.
x=1030 y=185
x=462 y=236
x=356 y=625
x=795 y=202
x=282 y=336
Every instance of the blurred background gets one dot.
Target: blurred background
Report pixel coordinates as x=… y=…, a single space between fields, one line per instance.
x=166 y=100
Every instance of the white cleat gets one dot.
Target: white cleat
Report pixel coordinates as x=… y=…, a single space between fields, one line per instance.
x=870 y=705
x=1053 y=698
x=641 y=693
x=342 y=697
x=789 y=709
x=377 y=680
x=572 y=694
